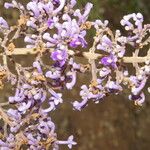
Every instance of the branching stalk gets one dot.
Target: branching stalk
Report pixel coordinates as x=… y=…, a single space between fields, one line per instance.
x=87 y=55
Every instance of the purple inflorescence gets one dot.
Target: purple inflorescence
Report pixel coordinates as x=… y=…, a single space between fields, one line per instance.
x=57 y=29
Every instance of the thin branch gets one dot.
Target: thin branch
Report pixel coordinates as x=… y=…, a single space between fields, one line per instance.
x=94 y=70
x=87 y=55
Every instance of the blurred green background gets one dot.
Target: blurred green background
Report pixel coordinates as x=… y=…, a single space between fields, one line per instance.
x=115 y=123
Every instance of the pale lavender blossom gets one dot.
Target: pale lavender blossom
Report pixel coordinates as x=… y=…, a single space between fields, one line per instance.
x=3 y=23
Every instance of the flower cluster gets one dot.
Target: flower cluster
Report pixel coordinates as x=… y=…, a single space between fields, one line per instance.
x=111 y=74
x=57 y=29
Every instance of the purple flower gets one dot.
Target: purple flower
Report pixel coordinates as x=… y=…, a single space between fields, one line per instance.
x=113 y=86
x=104 y=72
x=139 y=99
x=73 y=3
x=31 y=23
x=77 y=42
x=56 y=1
x=83 y=17
x=61 y=6
x=3 y=23
x=59 y=56
x=54 y=100
x=69 y=142
x=109 y=61
x=49 y=22
x=14 y=114
x=137 y=90
x=79 y=105
x=23 y=107
x=29 y=40
x=31 y=140
x=33 y=6
x=37 y=65
x=53 y=74
x=8 y=5
x=4 y=145
x=43 y=127
x=137 y=18
x=73 y=77
x=106 y=44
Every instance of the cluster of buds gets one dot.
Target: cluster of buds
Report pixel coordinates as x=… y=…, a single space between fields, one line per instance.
x=56 y=28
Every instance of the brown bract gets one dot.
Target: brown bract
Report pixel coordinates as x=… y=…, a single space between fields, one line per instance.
x=40 y=78
x=47 y=143
x=11 y=47
x=2 y=77
x=22 y=20
x=86 y=25
x=20 y=140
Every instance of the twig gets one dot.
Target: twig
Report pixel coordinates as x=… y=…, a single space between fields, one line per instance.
x=87 y=55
